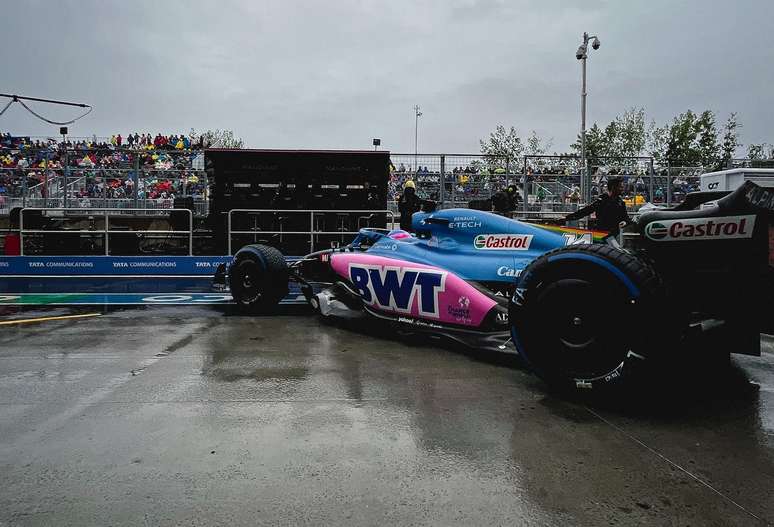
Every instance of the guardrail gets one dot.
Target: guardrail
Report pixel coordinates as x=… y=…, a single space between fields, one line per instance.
x=368 y=214
x=105 y=231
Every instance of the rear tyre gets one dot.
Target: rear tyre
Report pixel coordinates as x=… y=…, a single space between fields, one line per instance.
x=588 y=316
x=258 y=278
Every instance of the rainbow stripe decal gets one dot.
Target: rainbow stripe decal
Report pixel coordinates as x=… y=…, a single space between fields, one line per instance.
x=597 y=236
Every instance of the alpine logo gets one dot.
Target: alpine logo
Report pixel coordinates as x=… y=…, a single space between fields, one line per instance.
x=725 y=228
x=578 y=239
x=502 y=242
x=398 y=289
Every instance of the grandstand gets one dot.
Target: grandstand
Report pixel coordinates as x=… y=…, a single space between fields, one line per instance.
x=144 y=172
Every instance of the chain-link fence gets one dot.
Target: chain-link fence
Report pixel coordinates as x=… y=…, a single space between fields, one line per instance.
x=451 y=180
x=153 y=178
x=547 y=185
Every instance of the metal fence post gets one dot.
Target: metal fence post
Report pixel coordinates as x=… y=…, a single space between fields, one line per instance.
x=21 y=232
x=136 y=179
x=66 y=177
x=524 y=191
x=652 y=188
x=442 y=193
x=228 y=230
x=25 y=190
x=44 y=192
x=107 y=235
x=311 y=231
x=669 y=186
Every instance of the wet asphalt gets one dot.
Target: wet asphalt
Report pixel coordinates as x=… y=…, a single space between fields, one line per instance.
x=193 y=416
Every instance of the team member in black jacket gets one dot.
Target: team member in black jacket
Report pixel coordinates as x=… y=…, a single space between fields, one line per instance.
x=610 y=209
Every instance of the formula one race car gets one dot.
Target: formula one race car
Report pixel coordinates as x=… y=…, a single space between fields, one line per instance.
x=582 y=311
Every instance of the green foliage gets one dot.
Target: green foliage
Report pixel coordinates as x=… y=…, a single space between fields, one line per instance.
x=216 y=138
x=657 y=142
x=755 y=152
x=501 y=146
x=693 y=140
x=536 y=146
x=624 y=136
x=506 y=147
x=730 y=138
x=690 y=139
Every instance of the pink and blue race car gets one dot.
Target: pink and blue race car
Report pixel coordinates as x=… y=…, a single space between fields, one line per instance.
x=567 y=299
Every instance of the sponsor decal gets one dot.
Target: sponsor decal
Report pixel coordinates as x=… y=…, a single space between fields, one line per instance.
x=502 y=242
x=64 y=265
x=149 y=265
x=398 y=289
x=723 y=228
x=713 y=186
x=387 y=246
x=420 y=323
x=508 y=271
x=501 y=317
x=461 y=312
x=578 y=239
x=465 y=223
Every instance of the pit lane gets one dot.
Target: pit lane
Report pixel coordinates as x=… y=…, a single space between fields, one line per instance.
x=166 y=415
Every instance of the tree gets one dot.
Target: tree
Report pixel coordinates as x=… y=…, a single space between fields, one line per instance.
x=730 y=139
x=682 y=147
x=536 y=146
x=755 y=152
x=657 y=142
x=595 y=142
x=707 y=142
x=502 y=145
x=630 y=135
x=216 y=139
x=624 y=136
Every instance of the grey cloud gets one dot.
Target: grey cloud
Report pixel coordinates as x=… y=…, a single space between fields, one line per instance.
x=336 y=74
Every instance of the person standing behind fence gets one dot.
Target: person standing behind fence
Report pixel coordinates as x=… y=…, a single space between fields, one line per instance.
x=408 y=204
x=610 y=209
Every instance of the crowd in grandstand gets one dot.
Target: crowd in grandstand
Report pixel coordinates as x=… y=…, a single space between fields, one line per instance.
x=156 y=167
x=160 y=167
x=555 y=181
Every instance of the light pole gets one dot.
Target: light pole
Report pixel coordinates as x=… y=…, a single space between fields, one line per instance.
x=582 y=54
x=417 y=114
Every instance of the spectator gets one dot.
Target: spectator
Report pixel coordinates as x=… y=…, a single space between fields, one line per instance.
x=408 y=204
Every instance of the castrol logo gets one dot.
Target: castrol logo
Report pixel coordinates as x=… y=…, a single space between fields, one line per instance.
x=724 y=228
x=502 y=242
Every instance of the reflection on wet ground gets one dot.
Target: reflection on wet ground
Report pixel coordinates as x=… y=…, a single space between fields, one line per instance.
x=178 y=415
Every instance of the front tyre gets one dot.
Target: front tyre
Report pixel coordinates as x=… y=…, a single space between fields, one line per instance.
x=588 y=316
x=258 y=278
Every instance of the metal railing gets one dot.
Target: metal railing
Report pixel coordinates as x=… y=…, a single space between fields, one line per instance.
x=68 y=176
x=312 y=232
x=106 y=231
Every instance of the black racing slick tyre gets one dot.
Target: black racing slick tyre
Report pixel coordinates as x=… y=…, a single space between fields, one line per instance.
x=588 y=317
x=258 y=278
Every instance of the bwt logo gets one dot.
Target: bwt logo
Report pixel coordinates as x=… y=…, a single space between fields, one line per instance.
x=395 y=288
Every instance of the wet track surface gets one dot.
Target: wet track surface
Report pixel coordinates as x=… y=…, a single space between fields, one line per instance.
x=188 y=415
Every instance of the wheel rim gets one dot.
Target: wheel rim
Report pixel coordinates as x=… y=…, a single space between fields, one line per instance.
x=582 y=327
x=249 y=284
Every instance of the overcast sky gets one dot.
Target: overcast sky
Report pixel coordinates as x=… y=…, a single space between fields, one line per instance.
x=336 y=73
